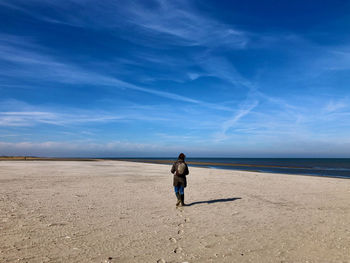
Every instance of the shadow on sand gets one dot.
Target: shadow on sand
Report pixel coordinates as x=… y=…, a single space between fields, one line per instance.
x=214 y=201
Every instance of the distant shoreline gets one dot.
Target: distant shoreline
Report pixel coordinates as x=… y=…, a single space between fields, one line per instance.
x=31 y=158
x=156 y=161
x=295 y=168
x=143 y=160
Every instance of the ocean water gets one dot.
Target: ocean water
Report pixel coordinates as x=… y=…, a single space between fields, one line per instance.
x=330 y=167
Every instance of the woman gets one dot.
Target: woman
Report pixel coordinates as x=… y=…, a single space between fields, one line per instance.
x=180 y=170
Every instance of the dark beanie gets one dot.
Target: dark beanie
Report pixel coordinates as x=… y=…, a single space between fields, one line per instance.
x=182 y=156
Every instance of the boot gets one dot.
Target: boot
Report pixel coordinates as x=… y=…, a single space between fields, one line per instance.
x=178 y=199
x=182 y=203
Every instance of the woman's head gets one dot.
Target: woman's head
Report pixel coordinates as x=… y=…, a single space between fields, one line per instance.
x=182 y=156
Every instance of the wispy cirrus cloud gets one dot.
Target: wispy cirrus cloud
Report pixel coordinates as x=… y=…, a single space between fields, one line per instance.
x=30 y=115
x=178 y=20
x=33 y=64
x=32 y=118
x=181 y=21
x=243 y=110
x=221 y=68
x=337 y=105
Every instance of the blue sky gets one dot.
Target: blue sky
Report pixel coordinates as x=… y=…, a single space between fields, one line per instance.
x=155 y=78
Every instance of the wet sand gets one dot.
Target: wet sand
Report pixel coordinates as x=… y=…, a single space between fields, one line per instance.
x=114 y=211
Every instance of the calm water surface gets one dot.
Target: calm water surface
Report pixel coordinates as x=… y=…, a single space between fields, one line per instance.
x=332 y=167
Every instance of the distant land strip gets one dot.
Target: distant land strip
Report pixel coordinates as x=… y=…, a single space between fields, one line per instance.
x=33 y=158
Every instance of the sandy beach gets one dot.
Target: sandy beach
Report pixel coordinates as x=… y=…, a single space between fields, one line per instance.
x=114 y=211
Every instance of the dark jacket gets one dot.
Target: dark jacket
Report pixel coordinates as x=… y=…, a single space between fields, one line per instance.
x=179 y=179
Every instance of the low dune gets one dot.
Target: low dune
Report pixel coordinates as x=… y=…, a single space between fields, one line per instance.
x=115 y=211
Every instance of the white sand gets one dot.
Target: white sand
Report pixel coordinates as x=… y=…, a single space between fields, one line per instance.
x=69 y=211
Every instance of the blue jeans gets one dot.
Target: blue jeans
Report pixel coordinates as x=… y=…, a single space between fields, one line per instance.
x=179 y=189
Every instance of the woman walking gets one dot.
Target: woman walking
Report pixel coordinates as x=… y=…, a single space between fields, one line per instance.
x=180 y=170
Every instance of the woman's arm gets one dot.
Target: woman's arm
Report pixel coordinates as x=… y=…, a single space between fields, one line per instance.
x=186 y=170
x=173 y=169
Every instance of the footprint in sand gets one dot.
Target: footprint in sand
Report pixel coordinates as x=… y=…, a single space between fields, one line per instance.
x=180 y=225
x=161 y=261
x=180 y=232
x=178 y=250
x=173 y=240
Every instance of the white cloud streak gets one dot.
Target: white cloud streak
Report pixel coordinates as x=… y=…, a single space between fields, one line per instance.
x=335 y=106
x=179 y=20
x=244 y=110
x=36 y=66
x=31 y=118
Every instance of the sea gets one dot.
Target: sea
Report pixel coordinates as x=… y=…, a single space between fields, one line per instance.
x=328 y=167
